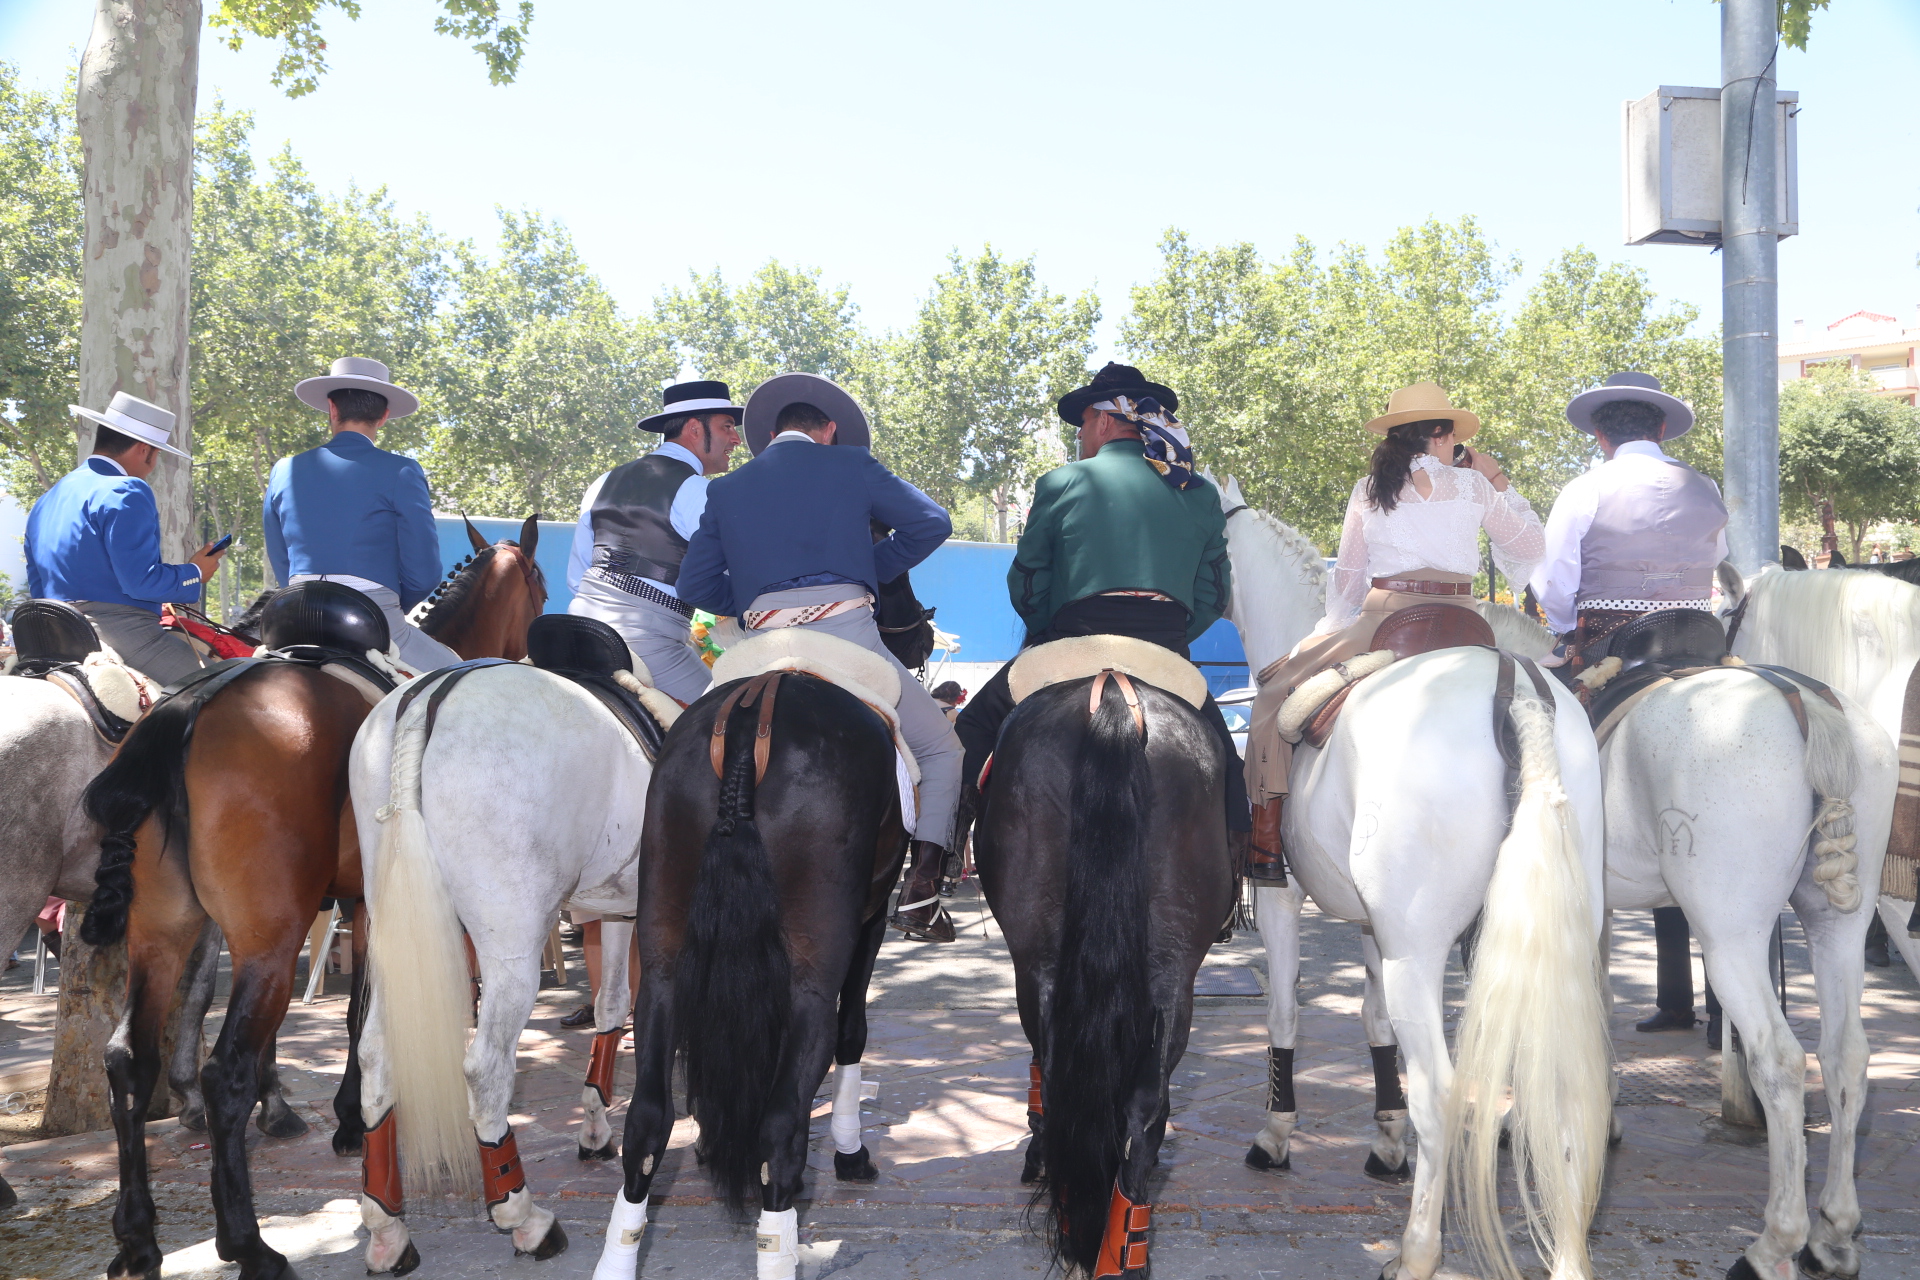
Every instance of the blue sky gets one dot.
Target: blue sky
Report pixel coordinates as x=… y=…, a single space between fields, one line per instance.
x=867 y=139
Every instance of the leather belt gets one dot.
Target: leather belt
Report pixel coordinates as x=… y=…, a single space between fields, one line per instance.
x=1420 y=588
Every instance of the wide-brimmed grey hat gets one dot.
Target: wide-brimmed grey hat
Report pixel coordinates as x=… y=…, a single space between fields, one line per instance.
x=362 y=374
x=1643 y=387
x=690 y=397
x=136 y=419
x=775 y=394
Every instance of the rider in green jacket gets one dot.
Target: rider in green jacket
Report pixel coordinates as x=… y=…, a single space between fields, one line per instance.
x=1126 y=541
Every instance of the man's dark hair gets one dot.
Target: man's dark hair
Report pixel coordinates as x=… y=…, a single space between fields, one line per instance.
x=110 y=443
x=672 y=427
x=356 y=404
x=800 y=417
x=1623 y=420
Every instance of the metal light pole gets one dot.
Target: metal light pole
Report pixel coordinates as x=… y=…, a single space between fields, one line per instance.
x=1749 y=279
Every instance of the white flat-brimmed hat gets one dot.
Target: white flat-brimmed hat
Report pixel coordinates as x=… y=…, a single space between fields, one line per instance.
x=364 y=375
x=1643 y=387
x=136 y=419
x=1419 y=402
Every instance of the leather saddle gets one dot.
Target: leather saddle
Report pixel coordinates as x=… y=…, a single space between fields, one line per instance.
x=52 y=639
x=1652 y=647
x=324 y=615
x=587 y=651
x=1420 y=628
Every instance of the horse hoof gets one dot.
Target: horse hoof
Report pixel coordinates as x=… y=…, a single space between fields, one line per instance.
x=1259 y=1158
x=194 y=1118
x=1742 y=1270
x=606 y=1152
x=1381 y=1171
x=1033 y=1170
x=268 y=1266
x=281 y=1123
x=122 y=1265
x=408 y=1261
x=349 y=1142
x=857 y=1167
x=1812 y=1267
x=8 y=1196
x=551 y=1245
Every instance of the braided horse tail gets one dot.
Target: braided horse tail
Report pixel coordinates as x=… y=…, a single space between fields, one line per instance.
x=1833 y=771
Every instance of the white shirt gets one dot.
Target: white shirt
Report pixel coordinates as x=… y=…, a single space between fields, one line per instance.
x=689 y=504
x=1556 y=583
x=1440 y=531
x=112 y=462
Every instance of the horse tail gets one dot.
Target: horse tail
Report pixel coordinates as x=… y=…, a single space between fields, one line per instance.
x=1101 y=1024
x=419 y=975
x=1833 y=771
x=1535 y=1025
x=147 y=775
x=732 y=986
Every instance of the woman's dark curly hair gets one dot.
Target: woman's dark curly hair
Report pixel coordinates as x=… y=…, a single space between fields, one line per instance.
x=1393 y=459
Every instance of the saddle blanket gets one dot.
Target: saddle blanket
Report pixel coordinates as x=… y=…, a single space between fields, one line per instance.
x=867 y=676
x=121 y=691
x=1076 y=657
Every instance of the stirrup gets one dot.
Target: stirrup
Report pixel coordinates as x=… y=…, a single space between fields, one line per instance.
x=928 y=930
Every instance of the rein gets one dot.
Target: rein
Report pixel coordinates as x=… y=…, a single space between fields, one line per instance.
x=767 y=682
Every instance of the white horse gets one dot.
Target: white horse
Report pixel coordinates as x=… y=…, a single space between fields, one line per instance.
x=527 y=795
x=1859 y=632
x=1401 y=823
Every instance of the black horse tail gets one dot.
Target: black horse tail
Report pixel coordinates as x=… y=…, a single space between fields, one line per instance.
x=146 y=775
x=732 y=992
x=1101 y=1026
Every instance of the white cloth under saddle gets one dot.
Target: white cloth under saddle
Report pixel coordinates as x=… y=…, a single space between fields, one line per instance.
x=866 y=675
x=1078 y=656
x=121 y=690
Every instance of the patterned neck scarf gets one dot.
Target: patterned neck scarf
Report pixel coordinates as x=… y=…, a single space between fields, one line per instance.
x=1168 y=450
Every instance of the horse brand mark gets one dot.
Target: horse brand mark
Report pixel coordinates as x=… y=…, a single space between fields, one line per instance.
x=1676 y=832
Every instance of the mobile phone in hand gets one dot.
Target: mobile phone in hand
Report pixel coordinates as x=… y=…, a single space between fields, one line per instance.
x=220 y=546
x=1462 y=456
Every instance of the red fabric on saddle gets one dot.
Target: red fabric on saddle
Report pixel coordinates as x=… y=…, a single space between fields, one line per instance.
x=1422 y=628
x=224 y=644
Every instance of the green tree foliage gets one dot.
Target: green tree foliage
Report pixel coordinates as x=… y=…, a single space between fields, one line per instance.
x=285 y=280
x=974 y=381
x=1280 y=364
x=303 y=50
x=40 y=238
x=539 y=378
x=1842 y=443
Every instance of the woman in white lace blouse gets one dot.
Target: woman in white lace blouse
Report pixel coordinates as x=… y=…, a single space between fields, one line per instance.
x=1412 y=536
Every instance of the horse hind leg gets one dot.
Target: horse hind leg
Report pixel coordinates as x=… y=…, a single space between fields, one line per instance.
x=231 y=1082
x=1387 y=1155
x=1124 y=1239
x=183 y=1071
x=648 y=1128
x=1834 y=943
x=1276 y=910
x=784 y=1133
x=851 y=1160
x=390 y=1247
x=506 y=1002
x=611 y=1006
x=349 y=1137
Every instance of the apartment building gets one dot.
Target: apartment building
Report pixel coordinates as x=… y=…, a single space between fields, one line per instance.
x=1881 y=346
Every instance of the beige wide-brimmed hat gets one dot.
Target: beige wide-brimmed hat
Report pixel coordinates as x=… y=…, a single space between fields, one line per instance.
x=363 y=374
x=136 y=419
x=1419 y=401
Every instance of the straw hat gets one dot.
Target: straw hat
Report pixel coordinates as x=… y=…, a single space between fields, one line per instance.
x=1420 y=401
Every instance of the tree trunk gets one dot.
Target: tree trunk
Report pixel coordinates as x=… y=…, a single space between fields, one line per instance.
x=1000 y=510
x=138 y=82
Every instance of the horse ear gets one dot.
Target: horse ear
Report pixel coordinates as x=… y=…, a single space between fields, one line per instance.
x=1233 y=493
x=473 y=534
x=530 y=535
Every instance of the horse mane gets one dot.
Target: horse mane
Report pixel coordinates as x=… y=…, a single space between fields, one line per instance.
x=1514 y=631
x=247 y=624
x=1294 y=546
x=1813 y=621
x=456 y=594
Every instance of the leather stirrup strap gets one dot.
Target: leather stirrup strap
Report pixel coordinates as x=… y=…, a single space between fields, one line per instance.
x=744 y=696
x=1788 y=690
x=1127 y=691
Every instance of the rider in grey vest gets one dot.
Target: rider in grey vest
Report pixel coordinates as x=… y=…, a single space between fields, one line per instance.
x=635 y=522
x=1640 y=532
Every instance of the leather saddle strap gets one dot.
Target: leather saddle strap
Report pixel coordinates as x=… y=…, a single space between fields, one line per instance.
x=111 y=728
x=1127 y=691
x=1825 y=691
x=744 y=696
x=438 y=684
x=1788 y=690
x=1502 y=701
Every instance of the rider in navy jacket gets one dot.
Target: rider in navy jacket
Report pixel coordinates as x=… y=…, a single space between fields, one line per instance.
x=800 y=515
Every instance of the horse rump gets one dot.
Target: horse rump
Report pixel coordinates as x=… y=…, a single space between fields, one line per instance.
x=147 y=775
x=1101 y=1038
x=732 y=983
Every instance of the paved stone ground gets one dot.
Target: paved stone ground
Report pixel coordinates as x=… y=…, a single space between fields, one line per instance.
x=1683 y=1196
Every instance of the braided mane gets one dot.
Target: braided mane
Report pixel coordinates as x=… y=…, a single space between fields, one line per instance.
x=1294 y=545
x=455 y=594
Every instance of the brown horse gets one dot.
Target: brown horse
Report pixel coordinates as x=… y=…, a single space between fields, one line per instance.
x=230 y=802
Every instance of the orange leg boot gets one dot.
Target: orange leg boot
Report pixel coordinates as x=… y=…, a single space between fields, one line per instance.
x=1123 y=1249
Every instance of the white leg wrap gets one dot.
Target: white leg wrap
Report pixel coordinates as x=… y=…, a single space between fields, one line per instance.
x=386 y=1236
x=620 y=1256
x=846 y=1108
x=778 y=1245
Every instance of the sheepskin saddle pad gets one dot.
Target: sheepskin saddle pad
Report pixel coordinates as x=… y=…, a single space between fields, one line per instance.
x=1312 y=708
x=862 y=673
x=1076 y=657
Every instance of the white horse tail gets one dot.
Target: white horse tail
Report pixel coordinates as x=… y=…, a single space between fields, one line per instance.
x=419 y=974
x=1833 y=771
x=1535 y=1026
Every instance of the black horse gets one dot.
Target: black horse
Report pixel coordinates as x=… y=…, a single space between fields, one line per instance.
x=1102 y=847
x=762 y=907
